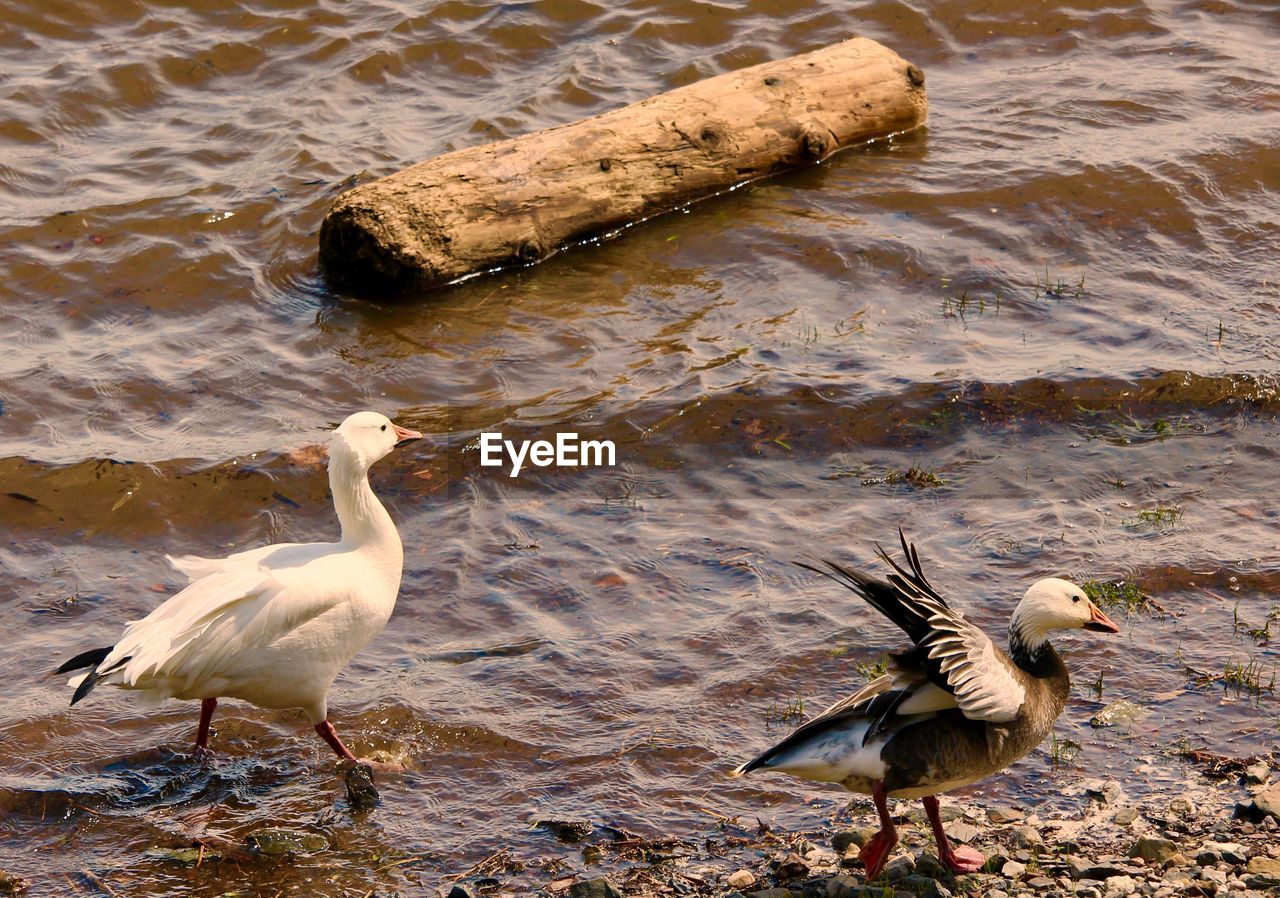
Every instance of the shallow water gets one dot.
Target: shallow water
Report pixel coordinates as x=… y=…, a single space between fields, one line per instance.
x=1060 y=298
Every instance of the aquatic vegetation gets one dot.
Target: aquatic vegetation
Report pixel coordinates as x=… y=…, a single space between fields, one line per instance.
x=1259 y=634
x=1062 y=752
x=1050 y=288
x=789 y=712
x=1248 y=678
x=870 y=670
x=1123 y=594
x=914 y=476
x=961 y=303
x=1162 y=517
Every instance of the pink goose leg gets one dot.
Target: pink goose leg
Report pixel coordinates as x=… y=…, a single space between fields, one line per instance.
x=330 y=735
x=202 y=734
x=876 y=851
x=963 y=859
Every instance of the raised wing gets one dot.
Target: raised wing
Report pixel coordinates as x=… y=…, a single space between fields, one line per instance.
x=954 y=654
x=980 y=675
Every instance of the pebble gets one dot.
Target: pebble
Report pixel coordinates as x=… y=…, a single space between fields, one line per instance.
x=601 y=887
x=961 y=831
x=1125 y=816
x=741 y=879
x=1120 y=885
x=1000 y=816
x=1257 y=774
x=1231 y=852
x=1153 y=849
x=1025 y=837
x=1107 y=793
x=1013 y=869
x=849 y=838
x=459 y=891
x=1265 y=866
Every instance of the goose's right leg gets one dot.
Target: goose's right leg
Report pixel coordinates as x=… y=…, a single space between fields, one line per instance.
x=330 y=735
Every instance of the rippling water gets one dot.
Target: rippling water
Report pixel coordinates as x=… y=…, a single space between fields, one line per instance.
x=1061 y=298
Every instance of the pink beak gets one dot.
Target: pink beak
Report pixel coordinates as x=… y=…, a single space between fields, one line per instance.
x=1099 y=621
x=404 y=435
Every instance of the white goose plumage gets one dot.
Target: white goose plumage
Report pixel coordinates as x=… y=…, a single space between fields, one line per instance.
x=274 y=625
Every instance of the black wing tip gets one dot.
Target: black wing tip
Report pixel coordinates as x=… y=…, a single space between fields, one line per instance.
x=91 y=658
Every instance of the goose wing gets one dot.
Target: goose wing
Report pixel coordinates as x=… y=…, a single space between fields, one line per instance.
x=212 y=628
x=955 y=655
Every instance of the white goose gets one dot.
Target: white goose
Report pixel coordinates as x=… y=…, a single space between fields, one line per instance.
x=953 y=709
x=274 y=625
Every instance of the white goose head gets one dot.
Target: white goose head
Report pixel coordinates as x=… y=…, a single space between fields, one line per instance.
x=365 y=437
x=1053 y=604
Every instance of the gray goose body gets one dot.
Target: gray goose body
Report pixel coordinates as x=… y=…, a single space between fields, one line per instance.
x=950 y=711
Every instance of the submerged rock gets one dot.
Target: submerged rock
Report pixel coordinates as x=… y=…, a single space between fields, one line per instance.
x=361 y=792
x=11 y=884
x=1118 y=712
x=276 y=842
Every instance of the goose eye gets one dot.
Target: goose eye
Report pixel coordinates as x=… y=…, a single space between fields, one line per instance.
x=384 y=427
x=1073 y=598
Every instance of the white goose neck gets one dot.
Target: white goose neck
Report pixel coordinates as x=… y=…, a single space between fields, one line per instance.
x=364 y=520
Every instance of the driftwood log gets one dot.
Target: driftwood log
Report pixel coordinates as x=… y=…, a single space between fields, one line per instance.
x=518 y=201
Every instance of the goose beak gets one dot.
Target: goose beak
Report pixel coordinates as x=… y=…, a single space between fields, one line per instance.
x=404 y=436
x=1099 y=621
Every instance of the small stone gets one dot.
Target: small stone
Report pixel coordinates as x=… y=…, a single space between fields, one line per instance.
x=741 y=879
x=1213 y=875
x=600 y=887
x=1182 y=808
x=1264 y=866
x=1118 y=712
x=1125 y=816
x=273 y=842
x=929 y=865
x=960 y=831
x=899 y=868
x=1231 y=852
x=924 y=887
x=1088 y=892
x=1106 y=793
x=837 y=887
x=1177 y=859
x=1040 y=883
x=846 y=839
x=1120 y=885
x=770 y=893
x=1257 y=774
x=1001 y=816
x=1265 y=804
x=791 y=867
x=460 y=891
x=1025 y=837
x=997 y=893
x=1153 y=849
x=1012 y=869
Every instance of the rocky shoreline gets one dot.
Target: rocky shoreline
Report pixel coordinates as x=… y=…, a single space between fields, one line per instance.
x=1215 y=839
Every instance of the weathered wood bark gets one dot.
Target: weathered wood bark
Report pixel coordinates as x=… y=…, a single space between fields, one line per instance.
x=520 y=200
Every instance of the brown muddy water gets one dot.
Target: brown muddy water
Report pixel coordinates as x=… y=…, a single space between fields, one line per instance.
x=1060 y=299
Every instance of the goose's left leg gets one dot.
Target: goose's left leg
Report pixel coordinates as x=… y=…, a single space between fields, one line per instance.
x=202 y=733
x=962 y=859
x=330 y=735
x=876 y=851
